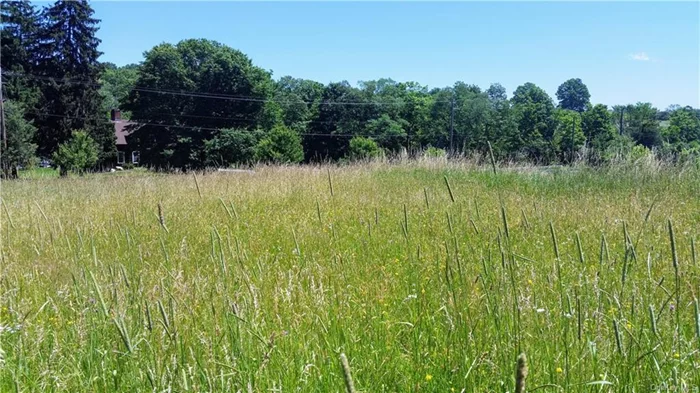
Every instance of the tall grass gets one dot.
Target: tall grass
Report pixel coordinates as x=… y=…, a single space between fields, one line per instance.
x=429 y=276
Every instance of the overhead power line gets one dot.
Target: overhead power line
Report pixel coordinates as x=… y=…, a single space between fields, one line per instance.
x=219 y=96
x=207 y=128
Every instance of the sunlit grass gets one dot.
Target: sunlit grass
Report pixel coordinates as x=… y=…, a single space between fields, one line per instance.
x=265 y=279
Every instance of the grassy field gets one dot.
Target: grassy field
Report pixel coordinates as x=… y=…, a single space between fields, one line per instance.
x=430 y=277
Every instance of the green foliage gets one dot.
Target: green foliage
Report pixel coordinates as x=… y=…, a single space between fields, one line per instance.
x=642 y=124
x=195 y=65
x=684 y=126
x=280 y=146
x=20 y=150
x=78 y=154
x=362 y=148
x=231 y=146
x=573 y=95
x=388 y=132
x=598 y=128
x=568 y=136
x=434 y=152
x=193 y=91
x=639 y=152
x=533 y=111
x=618 y=149
x=116 y=83
x=19 y=44
x=69 y=49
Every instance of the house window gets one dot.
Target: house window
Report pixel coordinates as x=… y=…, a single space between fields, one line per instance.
x=120 y=157
x=135 y=157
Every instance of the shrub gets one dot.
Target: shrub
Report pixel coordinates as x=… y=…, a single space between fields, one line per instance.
x=281 y=146
x=79 y=154
x=362 y=148
x=230 y=146
x=434 y=152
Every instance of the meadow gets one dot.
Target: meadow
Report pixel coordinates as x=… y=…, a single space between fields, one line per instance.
x=429 y=276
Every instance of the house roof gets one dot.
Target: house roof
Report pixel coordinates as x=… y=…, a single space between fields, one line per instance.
x=122 y=129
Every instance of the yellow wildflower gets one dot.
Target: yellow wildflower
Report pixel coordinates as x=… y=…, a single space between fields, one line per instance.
x=559 y=370
x=428 y=377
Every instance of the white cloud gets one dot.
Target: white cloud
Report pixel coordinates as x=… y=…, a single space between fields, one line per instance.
x=640 y=56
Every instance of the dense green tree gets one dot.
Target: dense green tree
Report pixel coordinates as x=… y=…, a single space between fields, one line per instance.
x=533 y=111
x=641 y=124
x=280 y=146
x=598 y=128
x=231 y=146
x=343 y=111
x=501 y=127
x=472 y=115
x=415 y=110
x=389 y=133
x=568 y=135
x=362 y=148
x=78 y=154
x=68 y=55
x=573 y=95
x=115 y=85
x=684 y=127
x=220 y=74
x=20 y=150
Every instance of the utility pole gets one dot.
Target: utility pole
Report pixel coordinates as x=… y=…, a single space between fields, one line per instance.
x=452 y=125
x=573 y=135
x=622 y=112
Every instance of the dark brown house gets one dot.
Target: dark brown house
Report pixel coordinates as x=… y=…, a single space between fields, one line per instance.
x=125 y=155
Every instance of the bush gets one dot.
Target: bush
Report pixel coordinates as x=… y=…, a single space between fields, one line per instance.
x=280 y=146
x=362 y=148
x=434 y=152
x=79 y=154
x=230 y=146
x=639 y=152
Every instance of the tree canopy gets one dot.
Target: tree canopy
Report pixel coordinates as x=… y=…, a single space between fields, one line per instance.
x=199 y=103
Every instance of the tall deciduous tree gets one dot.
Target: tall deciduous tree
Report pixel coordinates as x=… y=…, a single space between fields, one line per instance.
x=642 y=124
x=115 y=85
x=573 y=95
x=71 y=100
x=171 y=80
x=684 y=127
x=598 y=128
x=568 y=136
x=533 y=110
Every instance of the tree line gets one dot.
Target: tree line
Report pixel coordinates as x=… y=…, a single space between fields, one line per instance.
x=200 y=103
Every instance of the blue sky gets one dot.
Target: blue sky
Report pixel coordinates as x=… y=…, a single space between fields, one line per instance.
x=625 y=52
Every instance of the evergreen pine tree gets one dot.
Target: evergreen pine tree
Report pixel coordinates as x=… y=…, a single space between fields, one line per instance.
x=20 y=25
x=69 y=63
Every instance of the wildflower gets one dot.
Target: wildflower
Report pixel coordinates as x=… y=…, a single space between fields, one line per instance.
x=559 y=370
x=676 y=355
x=629 y=325
x=428 y=377
x=529 y=282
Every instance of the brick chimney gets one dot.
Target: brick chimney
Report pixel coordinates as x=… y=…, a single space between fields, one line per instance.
x=116 y=115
